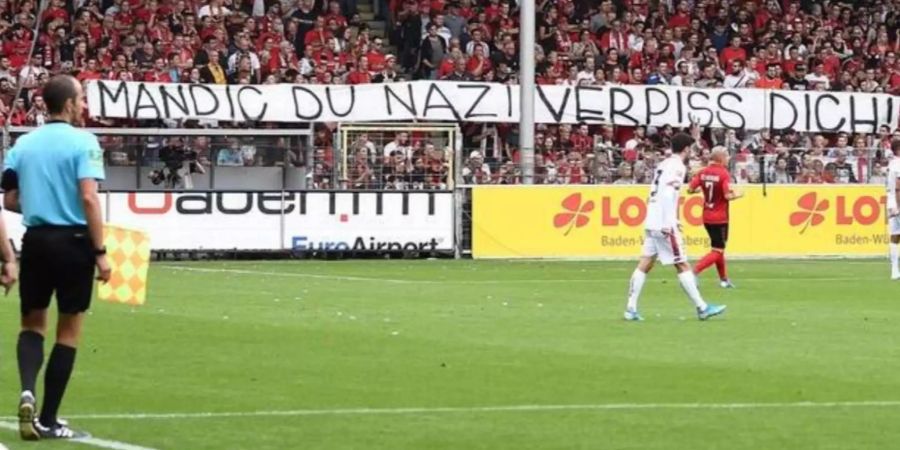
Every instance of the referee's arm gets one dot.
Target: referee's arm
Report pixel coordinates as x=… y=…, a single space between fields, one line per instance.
x=89 y=170
x=91 y=201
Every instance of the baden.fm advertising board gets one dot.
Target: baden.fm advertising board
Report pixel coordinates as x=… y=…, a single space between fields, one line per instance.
x=302 y=221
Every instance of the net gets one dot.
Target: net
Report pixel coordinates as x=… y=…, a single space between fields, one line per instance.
x=397 y=156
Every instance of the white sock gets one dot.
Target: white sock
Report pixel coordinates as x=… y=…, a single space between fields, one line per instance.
x=634 y=288
x=895 y=257
x=689 y=284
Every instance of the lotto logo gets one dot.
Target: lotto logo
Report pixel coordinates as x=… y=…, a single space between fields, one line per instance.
x=574 y=215
x=848 y=210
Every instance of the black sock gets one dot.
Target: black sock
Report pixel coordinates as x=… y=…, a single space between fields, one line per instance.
x=30 y=352
x=59 y=368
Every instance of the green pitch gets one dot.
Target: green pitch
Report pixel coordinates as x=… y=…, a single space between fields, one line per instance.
x=485 y=355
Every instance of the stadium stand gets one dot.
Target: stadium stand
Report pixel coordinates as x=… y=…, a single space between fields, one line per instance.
x=776 y=44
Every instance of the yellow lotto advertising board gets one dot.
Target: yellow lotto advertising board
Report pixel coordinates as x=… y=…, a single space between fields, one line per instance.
x=607 y=221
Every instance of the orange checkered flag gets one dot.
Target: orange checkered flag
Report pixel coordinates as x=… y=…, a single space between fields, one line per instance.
x=129 y=258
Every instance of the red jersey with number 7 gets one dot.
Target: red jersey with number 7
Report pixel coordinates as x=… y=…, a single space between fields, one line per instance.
x=714 y=181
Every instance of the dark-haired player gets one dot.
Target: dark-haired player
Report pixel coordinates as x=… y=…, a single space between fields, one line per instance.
x=662 y=235
x=714 y=182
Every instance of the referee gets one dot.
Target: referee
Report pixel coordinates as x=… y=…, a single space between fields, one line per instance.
x=50 y=176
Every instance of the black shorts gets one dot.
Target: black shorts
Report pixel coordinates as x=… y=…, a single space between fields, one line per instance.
x=56 y=260
x=718 y=234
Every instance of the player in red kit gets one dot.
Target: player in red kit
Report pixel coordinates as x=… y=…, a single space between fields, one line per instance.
x=714 y=182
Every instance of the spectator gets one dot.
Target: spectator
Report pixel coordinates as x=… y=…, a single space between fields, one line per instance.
x=479 y=65
x=38 y=114
x=6 y=70
x=459 y=72
x=242 y=50
x=28 y=76
x=842 y=170
x=18 y=115
x=454 y=21
x=841 y=145
x=797 y=80
x=781 y=174
x=361 y=74
x=399 y=144
x=213 y=72
x=818 y=79
x=431 y=53
x=231 y=155
x=738 y=77
x=625 y=174
x=213 y=9
x=441 y=29
x=879 y=175
x=771 y=80
x=159 y=74
x=476 y=42
x=475 y=171
x=244 y=73
x=733 y=53
x=390 y=73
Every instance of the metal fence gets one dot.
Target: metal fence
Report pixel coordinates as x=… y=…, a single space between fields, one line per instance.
x=435 y=157
x=138 y=159
x=615 y=165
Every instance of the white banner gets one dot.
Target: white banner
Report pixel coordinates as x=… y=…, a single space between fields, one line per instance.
x=301 y=221
x=491 y=102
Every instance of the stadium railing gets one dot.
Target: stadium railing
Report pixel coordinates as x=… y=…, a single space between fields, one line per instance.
x=203 y=158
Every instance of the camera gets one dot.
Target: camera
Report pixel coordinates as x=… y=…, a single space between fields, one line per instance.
x=179 y=161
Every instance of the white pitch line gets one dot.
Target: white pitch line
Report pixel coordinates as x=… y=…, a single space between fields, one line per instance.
x=288 y=274
x=92 y=441
x=488 y=282
x=489 y=409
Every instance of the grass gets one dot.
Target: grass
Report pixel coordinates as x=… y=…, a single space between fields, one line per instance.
x=286 y=336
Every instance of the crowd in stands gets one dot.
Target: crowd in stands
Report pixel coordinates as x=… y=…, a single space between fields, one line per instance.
x=849 y=46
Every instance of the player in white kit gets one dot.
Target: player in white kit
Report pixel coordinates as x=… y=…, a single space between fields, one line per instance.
x=893 y=211
x=662 y=235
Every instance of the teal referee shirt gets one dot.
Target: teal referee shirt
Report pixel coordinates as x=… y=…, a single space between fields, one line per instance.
x=49 y=162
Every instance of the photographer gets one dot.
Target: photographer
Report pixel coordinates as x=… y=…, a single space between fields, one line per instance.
x=180 y=162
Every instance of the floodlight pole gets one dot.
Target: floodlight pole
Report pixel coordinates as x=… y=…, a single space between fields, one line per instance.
x=527 y=42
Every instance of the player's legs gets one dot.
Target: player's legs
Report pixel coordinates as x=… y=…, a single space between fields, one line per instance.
x=639 y=276
x=719 y=246
x=636 y=285
x=895 y=257
x=676 y=256
x=718 y=237
x=894 y=246
x=689 y=284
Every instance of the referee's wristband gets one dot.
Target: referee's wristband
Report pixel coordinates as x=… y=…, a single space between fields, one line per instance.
x=100 y=251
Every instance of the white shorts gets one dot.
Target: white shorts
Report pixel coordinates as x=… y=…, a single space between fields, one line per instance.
x=667 y=248
x=894 y=225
